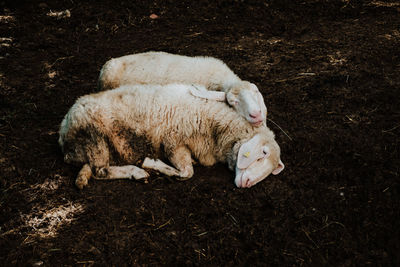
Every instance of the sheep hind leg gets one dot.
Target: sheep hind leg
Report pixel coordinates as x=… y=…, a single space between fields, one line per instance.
x=83 y=176
x=96 y=154
x=181 y=158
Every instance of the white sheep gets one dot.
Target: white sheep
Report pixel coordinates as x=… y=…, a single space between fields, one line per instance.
x=164 y=68
x=110 y=131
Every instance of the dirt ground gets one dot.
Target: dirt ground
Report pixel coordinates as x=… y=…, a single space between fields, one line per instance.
x=329 y=72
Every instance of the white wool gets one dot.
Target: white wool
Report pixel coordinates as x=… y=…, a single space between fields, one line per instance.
x=164 y=68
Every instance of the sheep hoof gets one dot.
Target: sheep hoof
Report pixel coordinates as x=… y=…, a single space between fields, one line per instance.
x=81 y=182
x=185 y=174
x=140 y=174
x=102 y=173
x=83 y=177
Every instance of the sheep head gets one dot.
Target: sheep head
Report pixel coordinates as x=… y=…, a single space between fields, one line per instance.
x=257 y=158
x=247 y=100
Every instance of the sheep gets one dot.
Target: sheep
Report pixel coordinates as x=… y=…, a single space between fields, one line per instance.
x=164 y=68
x=111 y=131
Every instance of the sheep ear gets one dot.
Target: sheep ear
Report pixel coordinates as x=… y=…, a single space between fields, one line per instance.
x=232 y=99
x=250 y=152
x=280 y=168
x=212 y=95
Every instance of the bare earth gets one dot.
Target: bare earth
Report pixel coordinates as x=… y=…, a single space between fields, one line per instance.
x=330 y=75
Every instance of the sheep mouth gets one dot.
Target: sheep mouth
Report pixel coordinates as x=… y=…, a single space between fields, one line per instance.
x=256 y=123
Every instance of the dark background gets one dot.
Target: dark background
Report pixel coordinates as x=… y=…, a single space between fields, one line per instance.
x=329 y=74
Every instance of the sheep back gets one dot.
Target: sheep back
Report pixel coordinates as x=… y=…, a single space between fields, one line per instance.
x=165 y=68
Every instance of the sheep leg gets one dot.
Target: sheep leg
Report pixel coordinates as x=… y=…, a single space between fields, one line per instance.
x=181 y=158
x=83 y=176
x=121 y=172
x=160 y=166
x=97 y=155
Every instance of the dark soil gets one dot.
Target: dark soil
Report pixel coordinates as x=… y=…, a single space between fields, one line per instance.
x=330 y=75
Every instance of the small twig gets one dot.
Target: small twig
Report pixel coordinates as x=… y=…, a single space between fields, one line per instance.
x=165 y=224
x=17 y=148
x=292 y=255
x=84 y=262
x=9 y=232
x=52 y=165
x=329 y=224
x=386 y=131
x=350 y=119
x=280 y=129
x=308 y=236
x=233 y=219
x=386 y=189
x=59 y=59
x=307 y=74
x=194 y=34
x=204 y=233
x=291 y=79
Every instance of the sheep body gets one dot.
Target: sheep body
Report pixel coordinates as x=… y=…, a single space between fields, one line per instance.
x=124 y=125
x=164 y=68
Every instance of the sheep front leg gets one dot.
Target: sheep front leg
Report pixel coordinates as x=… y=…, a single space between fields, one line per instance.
x=109 y=173
x=181 y=158
x=160 y=166
x=121 y=172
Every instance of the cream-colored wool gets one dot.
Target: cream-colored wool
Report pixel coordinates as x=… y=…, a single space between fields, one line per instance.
x=101 y=130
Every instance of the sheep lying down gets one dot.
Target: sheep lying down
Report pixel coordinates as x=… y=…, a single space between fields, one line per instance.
x=112 y=131
x=219 y=81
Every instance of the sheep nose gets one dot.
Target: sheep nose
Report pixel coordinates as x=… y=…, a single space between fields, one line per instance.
x=246 y=183
x=255 y=115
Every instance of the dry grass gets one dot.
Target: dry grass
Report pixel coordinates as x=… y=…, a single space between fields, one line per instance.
x=46 y=223
x=7 y=18
x=385 y=4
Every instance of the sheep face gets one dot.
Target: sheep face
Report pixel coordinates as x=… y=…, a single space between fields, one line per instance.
x=248 y=102
x=257 y=158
